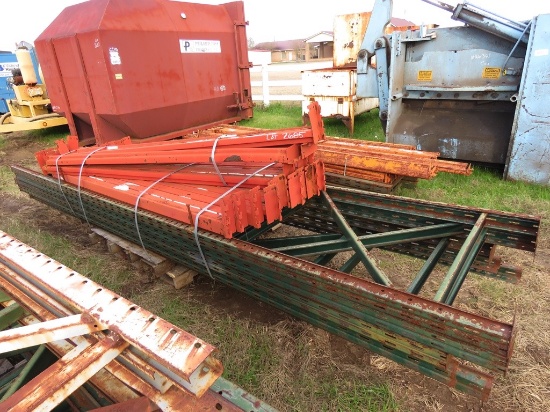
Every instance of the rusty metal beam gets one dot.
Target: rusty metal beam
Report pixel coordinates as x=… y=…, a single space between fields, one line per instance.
x=146 y=332
x=432 y=338
x=135 y=368
x=56 y=383
x=57 y=329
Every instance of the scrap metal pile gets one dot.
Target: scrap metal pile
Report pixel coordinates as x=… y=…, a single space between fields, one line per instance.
x=380 y=166
x=412 y=325
x=223 y=184
x=111 y=351
x=363 y=164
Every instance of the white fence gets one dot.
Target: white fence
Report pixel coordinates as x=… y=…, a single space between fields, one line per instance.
x=270 y=89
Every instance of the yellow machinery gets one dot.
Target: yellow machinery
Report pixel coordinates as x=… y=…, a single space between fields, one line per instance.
x=31 y=108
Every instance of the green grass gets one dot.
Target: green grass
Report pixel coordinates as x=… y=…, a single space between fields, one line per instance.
x=50 y=135
x=361 y=397
x=7 y=182
x=485 y=188
x=99 y=268
x=288 y=366
x=278 y=115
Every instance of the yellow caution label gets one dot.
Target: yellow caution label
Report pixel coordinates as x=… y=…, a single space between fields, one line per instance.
x=424 y=75
x=118 y=76
x=491 y=72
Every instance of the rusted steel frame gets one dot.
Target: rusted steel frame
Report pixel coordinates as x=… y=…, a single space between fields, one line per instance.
x=458 y=168
x=428 y=266
x=226 y=217
x=153 y=245
x=220 y=218
x=355 y=243
x=376 y=148
x=456 y=274
x=399 y=167
x=286 y=154
x=362 y=174
x=130 y=369
x=56 y=383
x=152 y=335
x=142 y=404
x=367 y=143
x=503 y=227
x=306 y=279
x=238 y=396
x=315 y=244
x=278 y=137
x=317 y=220
x=335 y=179
x=36 y=302
x=314 y=219
x=62 y=328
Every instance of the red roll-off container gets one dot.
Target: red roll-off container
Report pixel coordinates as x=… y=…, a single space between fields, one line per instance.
x=148 y=69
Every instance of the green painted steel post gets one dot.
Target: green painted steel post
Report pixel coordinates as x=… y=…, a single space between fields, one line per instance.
x=25 y=372
x=458 y=266
x=9 y=315
x=428 y=267
x=356 y=244
x=461 y=276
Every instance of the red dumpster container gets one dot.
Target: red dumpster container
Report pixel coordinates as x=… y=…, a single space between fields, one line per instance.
x=148 y=69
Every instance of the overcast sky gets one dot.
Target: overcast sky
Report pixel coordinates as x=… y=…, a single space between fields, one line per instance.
x=268 y=19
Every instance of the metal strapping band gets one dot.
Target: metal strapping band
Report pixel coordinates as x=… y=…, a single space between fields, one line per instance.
x=59 y=180
x=144 y=191
x=80 y=178
x=196 y=229
x=212 y=158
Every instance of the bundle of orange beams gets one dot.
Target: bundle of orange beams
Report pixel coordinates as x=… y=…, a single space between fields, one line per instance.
x=223 y=184
x=383 y=162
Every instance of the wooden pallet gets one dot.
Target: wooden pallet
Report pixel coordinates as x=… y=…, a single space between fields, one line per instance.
x=150 y=262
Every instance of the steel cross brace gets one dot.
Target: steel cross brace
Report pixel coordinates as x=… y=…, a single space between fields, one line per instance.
x=427 y=336
x=312 y=245
x=355 y=243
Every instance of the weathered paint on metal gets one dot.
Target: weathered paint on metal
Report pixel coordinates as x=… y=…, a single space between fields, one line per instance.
x=530 y=141
x=56 y=383
x=170 y=346
x=142 y=404
x=132 y=370
x=414 y=331
x=64 y=328
x=372 y=268
x=151 y=69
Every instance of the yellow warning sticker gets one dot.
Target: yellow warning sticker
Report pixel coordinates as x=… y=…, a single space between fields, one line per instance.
x=424 y=75
x=118 y=76
x=491 y=72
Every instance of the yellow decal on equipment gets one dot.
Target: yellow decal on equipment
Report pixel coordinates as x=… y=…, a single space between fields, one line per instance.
x=425 y=75
x=118 y=76
x=491 y=72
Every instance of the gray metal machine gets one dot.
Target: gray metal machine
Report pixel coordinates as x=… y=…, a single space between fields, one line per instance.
x=479 y=92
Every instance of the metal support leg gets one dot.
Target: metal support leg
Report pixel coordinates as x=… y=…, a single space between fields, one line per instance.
x=428 y=267
x=356 y=244
x=457 y=272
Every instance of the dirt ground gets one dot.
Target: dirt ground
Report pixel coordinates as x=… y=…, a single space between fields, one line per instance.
x=525 y=388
